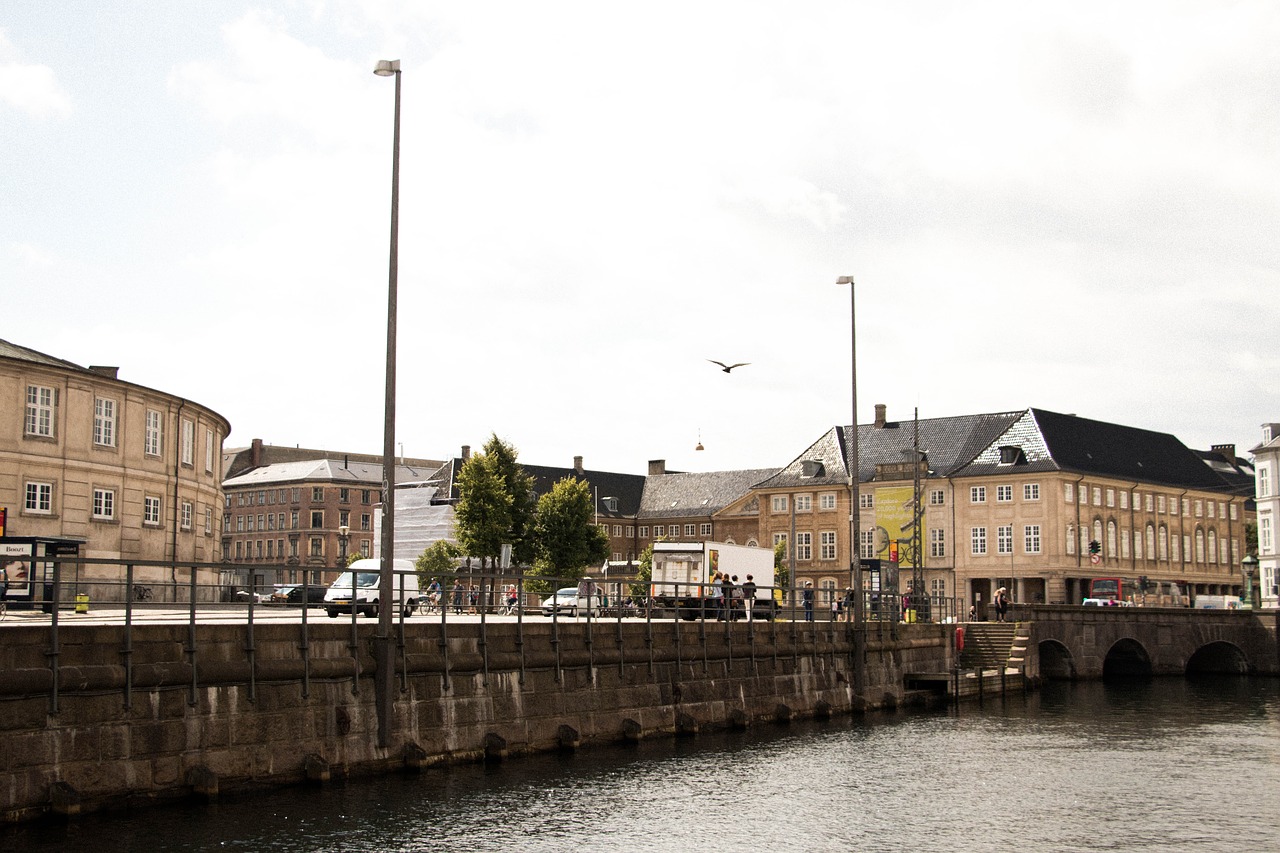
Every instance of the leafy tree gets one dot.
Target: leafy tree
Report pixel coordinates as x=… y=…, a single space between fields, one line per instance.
x=482 y=516
x=639 y=588
x=524 y=503
x=1251 y=538
x=568 y=541
x=438 y=561
x=781 y=574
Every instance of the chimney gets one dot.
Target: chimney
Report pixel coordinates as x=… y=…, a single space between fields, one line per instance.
x=1226 y=451
x=255 y=453
x=466 y=452
x=577 y=464
x=657 y=466
x=109 y=372
x=880 y=416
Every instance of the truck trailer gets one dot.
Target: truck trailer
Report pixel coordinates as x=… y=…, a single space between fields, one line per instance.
x=681 y=582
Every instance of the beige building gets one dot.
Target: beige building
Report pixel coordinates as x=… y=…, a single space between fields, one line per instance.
x=122 y=471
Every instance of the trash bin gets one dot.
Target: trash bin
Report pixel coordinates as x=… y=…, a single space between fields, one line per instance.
x=911 y=614
x=82 y=602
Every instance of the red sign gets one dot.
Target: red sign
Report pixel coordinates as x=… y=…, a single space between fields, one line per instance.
x=4 y=515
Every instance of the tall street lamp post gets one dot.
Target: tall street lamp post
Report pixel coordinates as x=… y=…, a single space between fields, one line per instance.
x=383 y=649
x=855 y=551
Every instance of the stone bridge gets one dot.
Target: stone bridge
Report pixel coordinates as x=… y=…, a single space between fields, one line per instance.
x=1104 y=642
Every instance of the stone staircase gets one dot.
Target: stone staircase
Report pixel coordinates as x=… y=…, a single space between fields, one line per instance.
x=1000 y=646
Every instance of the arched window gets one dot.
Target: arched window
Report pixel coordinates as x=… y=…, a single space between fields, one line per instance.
x=1111 y=539
x=1213 y=546
x=1137 y=544
x=1071 y=538
x=1097 y=530
x=1151 y=541
x=1199 y=545
x=1163 y=552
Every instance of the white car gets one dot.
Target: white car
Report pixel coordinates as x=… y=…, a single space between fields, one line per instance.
x=564 y=601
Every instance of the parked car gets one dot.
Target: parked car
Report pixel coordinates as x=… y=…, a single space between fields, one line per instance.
x=315 y=596
x=565 y=600
x=280 y=595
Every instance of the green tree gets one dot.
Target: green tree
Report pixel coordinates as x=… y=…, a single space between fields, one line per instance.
x=781 y=574
x=482 y=516
x=524 y=503
x=568 y=541
x=438 y=561
x=644 y=574
x=1251 y=538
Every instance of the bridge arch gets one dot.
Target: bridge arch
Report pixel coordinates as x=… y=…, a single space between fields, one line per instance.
x=1127 y=659
x=1056 y=661
x=1218 y=658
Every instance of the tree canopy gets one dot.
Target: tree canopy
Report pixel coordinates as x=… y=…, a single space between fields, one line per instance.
x=567 y=538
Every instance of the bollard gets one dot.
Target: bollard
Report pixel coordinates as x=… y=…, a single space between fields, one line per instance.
x=82 y=602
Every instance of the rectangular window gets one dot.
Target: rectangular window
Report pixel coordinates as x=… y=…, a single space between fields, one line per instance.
x=689 y=530
x=866 y=500
x=317 y=519
x=644 y=531
x=271 y=521
x=827 y=500
x=937 y=542
x=937 y=497
x=659 y=530
x=1265 y=534
x=1069 y=492
x=780 y=537
x=631 y=531
x=293 y=547
x=977 y=494
x=239 y=550
x=364 y=496
x=208 y=450
x=152 y=440
x=366 y=547
x=293 y=520
x=1232 y=507
x=1111 y=497
x=39 y=498
x=252 y=524
x=1004 y=539
x=779 y=503
x=617 y=530
x=827 y=545
x=1199 y=508
x=867 y=544
x=151 y=511
x=296 y=495
x=208 y=521
x=706 y=530
x=365 y=521
x=1186 y=507
x=1031 y=491
x=344 y=496
x=317 y=494
x=1004 y=494
x=270 y=549
x=41 y=405
x=104 y=422
x=188 y=442
x=1124 y=499
x=1160 y=503
x=1149 y=504
x=344 y=518
x=804 y=546
x=978 y=541
x=804 y=503
x=187 y=511
x=104 y=504
x=1031 y=538
x=317 y=546
x=1097 y=496
x=239 y=524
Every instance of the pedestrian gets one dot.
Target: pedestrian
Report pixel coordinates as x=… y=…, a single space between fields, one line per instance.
x=749 y=597
x=473 y=598
x=457 y=596
x=807 y=597
x=513 y=598
x=848 y=604
x=973 y=613
x=1002 y=603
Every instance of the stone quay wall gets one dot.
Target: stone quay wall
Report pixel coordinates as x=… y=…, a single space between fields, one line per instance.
x=166 y=711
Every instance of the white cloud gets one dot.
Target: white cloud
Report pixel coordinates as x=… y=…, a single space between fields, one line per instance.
x=32 y=89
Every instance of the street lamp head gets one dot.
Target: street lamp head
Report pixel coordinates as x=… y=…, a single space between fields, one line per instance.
x=845 y=279
x=343 y=531
x=387 y=67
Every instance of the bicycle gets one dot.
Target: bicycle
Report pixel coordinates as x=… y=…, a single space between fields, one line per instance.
x=142 y=593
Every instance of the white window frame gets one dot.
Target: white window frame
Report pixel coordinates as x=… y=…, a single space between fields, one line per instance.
x=778 y=503
x=188 y=442
x=827 y=500
x=804 y=503
x=104 y=422
x=104 y=504
x=188 y=510
x=937 y=542
x=977 y=494
x=152 y=509
x=1031 y=539
x=1031 y=491
x=1004 y=539
x=826 y=545
x=208 y=451
x=937 y=497
x=153 y=437
x=1004 y=493
x=42 y=412
x=690 y=530
x=38 y=497
x=978 y=541
x=705 y=529
x=866 y=500
x=208 y=521
x=804 y=546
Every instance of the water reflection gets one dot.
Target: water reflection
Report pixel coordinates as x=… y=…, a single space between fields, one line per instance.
x=1167 y=764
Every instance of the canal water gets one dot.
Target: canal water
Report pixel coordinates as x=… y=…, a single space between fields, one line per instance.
x=1165 y=765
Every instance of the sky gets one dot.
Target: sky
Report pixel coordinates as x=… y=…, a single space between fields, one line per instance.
x=1065 y=206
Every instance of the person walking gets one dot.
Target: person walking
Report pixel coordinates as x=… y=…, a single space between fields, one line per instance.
x=457 y=596
x=807 y=598
x=749 y=597
x=1002 y=603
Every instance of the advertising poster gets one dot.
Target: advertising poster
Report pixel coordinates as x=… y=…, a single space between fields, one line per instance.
x=895 y=507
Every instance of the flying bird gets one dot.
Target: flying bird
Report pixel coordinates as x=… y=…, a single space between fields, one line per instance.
x=727 y=367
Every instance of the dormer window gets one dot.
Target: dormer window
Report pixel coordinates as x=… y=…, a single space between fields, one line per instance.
x=610 y=504
x=1012 y=455
x=811 y=468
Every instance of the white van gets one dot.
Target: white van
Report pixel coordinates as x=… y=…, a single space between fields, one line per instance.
x=364 y=573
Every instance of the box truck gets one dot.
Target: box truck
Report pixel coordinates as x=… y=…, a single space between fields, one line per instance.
x=681 y=582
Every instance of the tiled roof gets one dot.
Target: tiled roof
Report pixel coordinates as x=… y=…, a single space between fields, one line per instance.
x=20 y=353
x=683 y=495
x=1051 y=441
x=949 y=443
x=626 y=488
x=324 y=470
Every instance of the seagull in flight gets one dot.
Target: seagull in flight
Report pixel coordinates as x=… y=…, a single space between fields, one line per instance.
x=727 y=367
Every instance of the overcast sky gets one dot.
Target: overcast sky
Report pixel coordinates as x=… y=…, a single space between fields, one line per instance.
x=1068 y=206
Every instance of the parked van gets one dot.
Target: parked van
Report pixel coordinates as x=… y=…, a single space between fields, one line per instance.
x=364 y=575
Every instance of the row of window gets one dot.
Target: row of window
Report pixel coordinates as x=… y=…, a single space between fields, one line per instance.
x=42 y=422
x=1004 y=493
x=804 y=503
x=274 y=549
x=659 y=530
x=1004 y=539
x=267 y=497
x=38 y=500
x=1154 y=543
x=276 y=521
x=1149 y=501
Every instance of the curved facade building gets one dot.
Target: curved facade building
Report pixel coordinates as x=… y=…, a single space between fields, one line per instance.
x=123 y=471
